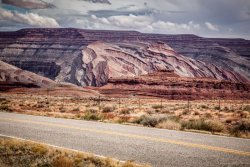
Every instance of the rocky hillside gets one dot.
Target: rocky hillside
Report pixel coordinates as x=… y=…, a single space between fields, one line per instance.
x=91 y=57
x=230 y=54
x=168 y=85
x=11 y=76
x=18 y=81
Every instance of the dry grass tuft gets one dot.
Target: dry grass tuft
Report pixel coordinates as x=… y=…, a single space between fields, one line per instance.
x=157 y=106
x=125 y=111
x=5 y=107
x=39 y=149
x=107 y=109
x=63 y=161
x=242 y=129
x=169 y=124
x=92 y=117
x=246 y=108
x=23 y=153
x=206 y=125
x=150 y=121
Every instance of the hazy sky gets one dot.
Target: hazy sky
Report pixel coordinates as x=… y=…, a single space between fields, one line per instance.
x=208 y=18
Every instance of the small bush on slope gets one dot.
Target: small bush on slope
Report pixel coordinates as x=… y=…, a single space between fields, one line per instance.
x=242 y=129
x=206 y=125
x=92 y=117
x=150 y=121
x=169 y=124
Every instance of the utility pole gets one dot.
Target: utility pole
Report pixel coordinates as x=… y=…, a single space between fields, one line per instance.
x=48 y=97
x=63 y=102
x=242 y=103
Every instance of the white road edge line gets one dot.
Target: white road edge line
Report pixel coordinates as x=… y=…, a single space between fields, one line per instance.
x=54 y=146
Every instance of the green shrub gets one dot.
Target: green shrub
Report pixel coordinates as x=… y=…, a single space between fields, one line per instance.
x=4 y=107
x=215 y=126
x=92 y=117
x=196 y=113
x=126 y=110
x=185 y=112
x=4 y=101
x=204 y=106
x=246 y=108
x=226 y=109
x=217 y=107
x=195 y=124
x=157 y=106
x=150 y=121
x=243 y=126
x=62 y=110
x=76 y=109
x=107 y=109
x=206 y=125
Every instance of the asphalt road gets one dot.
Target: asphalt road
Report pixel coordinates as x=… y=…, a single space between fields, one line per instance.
x=159 y=147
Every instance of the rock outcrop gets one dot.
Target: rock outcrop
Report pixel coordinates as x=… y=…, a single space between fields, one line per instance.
x=166 y=84
x=13 y=77
x=91 y=57
x=229 y=54
x=15 y=80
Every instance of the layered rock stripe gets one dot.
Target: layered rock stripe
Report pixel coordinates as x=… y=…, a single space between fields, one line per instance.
x=91 y=57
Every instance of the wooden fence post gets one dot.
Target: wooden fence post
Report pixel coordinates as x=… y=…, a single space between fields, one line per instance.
x=99 y=103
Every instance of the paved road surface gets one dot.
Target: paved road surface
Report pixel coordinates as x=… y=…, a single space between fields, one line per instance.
x=158 y=147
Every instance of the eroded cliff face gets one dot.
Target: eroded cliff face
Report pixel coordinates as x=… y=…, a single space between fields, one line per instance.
x=229 y=54
x=15 y=80
x=130 y=59
x=13 y=77
x=46 y=54
x=167 y=84
x=91 y=57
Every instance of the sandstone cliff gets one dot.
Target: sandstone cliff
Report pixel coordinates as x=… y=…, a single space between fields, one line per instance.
x=168 y=85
